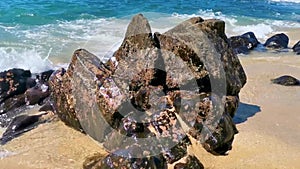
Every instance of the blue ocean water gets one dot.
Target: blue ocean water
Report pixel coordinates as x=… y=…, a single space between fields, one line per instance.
x=40 y=34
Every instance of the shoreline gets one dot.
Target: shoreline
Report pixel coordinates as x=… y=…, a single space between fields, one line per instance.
x=269 y=131
x=262 y=141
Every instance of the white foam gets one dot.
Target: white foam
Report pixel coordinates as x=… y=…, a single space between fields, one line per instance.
x=292 y=1
x=237 y=26
x=30 y=47
x=5 y=153
x=28 y=59
x=261 y=30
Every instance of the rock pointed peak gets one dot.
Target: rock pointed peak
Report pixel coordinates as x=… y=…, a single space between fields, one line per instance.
x=138 y=25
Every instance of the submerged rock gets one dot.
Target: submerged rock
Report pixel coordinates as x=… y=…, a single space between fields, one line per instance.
x=286 y=80
x=156 y=87
x=277 y=41
x=296 y=48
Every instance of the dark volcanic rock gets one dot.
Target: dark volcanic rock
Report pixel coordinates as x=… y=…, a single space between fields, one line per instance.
x=153 y=89
x=277 y=41
x=239 y=44
x=36 y=95
x=296 y=48
x=244 y=43
x=12 y=103
x=213 y=57
x=253 y=42
x=214 y=127
x=18 y=89
x=286 y=80
x=19 y=125
x=14 y=82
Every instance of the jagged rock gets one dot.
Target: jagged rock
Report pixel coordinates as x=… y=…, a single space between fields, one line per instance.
x=253 y=42
x=286 y=80
x=18 y=90
x=113 y=161
x=277 y=41
x=296 y=48
x=243 y=43
x=231 y=104
x=12 y=103
x=14 y=82
x=213 y=57
x=43 y=77
x=153 y=88
x=239 y=44
x=36 y=95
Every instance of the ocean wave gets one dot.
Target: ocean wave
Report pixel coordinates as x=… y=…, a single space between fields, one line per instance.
x=28 y=59
x=236 y=25
x=290 y=1
x=37 y=47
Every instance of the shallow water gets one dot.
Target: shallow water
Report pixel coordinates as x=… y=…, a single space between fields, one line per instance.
x=39 y=35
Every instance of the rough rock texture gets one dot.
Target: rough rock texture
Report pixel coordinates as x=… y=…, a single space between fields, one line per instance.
x=277 y=41
x=85 y=73
x=156 y=88
x=18 y=90
x=243 y=43
x=286 y=80
x=23 y=123
x=14 y=82
x=296 y=48
x=204 y=48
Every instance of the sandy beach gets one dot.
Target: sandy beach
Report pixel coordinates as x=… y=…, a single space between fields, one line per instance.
x=268 y=122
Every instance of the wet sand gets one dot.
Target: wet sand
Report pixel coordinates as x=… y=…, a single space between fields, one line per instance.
x=268 y=121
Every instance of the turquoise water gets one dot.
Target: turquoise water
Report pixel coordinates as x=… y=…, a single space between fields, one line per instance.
x=40 y=34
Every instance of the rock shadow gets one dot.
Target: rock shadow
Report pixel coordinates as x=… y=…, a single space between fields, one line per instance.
x=244 y=112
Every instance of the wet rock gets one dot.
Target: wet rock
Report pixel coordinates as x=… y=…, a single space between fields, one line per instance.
x=36 y=95
x=214 y=127
x=19 y=125
x=43 y=77
x=30 y=91
x=286 y=80
x=296 y=48
x=240 y=44
x=155 y=86
x=12 y=103
x=14 y=82
x=244 y=43
x=253 y=42
x=277 y=41
x=189 y=39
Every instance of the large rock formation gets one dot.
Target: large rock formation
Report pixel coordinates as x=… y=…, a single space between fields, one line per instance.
x=154 y=91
